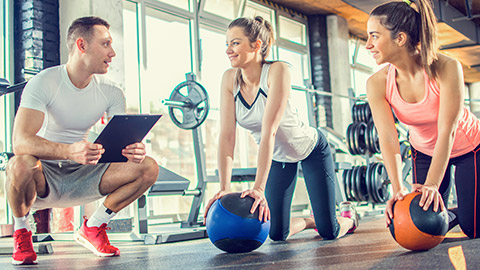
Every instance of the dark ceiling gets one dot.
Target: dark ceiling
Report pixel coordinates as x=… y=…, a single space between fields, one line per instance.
x=459 y=25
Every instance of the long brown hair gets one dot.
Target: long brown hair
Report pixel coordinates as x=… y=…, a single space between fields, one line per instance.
x=420 y=25
x=255 y=29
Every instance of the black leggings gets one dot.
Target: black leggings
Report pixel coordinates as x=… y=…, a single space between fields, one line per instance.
x=319 y=173
x=466 y=166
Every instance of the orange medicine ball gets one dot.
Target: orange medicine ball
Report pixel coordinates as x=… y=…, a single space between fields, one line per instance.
x=416 y=229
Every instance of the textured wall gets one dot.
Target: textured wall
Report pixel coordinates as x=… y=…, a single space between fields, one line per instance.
x=339 y=67
x=36 y=38
x=112 y=12
x=317 y=27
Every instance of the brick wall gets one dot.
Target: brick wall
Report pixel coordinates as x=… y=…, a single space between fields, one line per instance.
x=36 y=38
x=317 y=26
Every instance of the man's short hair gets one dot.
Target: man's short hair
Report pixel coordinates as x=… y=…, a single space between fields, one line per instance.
x=83 y=27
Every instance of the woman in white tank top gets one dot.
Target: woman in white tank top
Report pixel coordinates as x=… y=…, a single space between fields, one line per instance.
x=255 y=94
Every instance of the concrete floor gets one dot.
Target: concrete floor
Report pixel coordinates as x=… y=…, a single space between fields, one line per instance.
x=370 y=247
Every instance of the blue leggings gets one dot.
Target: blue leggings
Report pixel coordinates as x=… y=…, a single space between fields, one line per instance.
x=466 y=170
x=319 y=174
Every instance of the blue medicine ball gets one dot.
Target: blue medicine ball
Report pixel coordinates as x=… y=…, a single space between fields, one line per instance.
x=232 y=228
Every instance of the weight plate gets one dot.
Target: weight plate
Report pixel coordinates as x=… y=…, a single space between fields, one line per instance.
x=364 y=112
x=376 y=142
x=368 y=113
x=353 y=141
x=349 y=185
x=196 y=108
x=344 y=178
x=354 y=115
x=368 y=181
x=369 y=139
x=358 y=193
x=361 y=146
x=358 y=183
x=354 y=184
x=383 y=185
x=350 y=188
x=363 y=183
x=373 y=176
x=348 y=139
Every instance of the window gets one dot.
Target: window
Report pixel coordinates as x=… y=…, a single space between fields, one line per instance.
x=363 y=66
x=214 y=63
x=299 y=64
x=183 y=4
x=4 y=131
x=253 y=10
x=169 y=57
x=167 y=45
x=132 y=67
x=229 y=9
x=2 y=44
x=292 y=30
x=298 y=70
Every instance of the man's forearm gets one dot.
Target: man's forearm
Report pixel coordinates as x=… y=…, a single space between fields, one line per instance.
x=40 y=148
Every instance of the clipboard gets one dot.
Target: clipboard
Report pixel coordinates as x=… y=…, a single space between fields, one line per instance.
x=123 y=130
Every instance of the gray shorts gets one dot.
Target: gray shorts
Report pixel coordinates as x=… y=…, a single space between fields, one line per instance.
x=70 y=183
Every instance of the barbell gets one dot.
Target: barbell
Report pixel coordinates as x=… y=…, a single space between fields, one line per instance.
x=188 y=104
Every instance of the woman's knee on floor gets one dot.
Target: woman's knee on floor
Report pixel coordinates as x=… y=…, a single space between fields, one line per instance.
x=278 y=235
x=469 y=230
x=327 y=233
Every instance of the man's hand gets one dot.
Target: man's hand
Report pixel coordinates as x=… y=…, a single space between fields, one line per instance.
x=135 y=152
x=85 y=152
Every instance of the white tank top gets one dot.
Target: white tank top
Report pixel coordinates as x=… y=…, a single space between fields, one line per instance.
x=294 y=140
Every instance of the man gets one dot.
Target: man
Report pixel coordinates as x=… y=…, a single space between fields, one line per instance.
x=54 y=166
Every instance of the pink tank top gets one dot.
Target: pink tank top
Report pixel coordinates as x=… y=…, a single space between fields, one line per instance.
x=421 y=118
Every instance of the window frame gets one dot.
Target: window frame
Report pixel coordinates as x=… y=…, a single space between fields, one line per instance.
x=201 y=19
x=8 y=100
x=215 y=19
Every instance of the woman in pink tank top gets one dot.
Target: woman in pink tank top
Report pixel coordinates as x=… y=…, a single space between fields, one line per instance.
x=425 y=90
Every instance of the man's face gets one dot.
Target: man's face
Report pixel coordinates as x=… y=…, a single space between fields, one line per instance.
x=98 y=50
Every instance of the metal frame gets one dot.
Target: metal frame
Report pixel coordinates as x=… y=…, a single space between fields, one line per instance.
x=8 y=100
x=468 y=10
x=454 y=18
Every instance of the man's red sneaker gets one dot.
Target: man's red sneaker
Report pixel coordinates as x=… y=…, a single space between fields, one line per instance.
x=96 y=240
x=23 y=252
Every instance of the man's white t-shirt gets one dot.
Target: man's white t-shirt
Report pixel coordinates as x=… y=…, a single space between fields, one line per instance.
x=70 y=112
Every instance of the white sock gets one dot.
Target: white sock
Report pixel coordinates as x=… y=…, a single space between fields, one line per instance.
x=21 y=223
x=102 y=215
